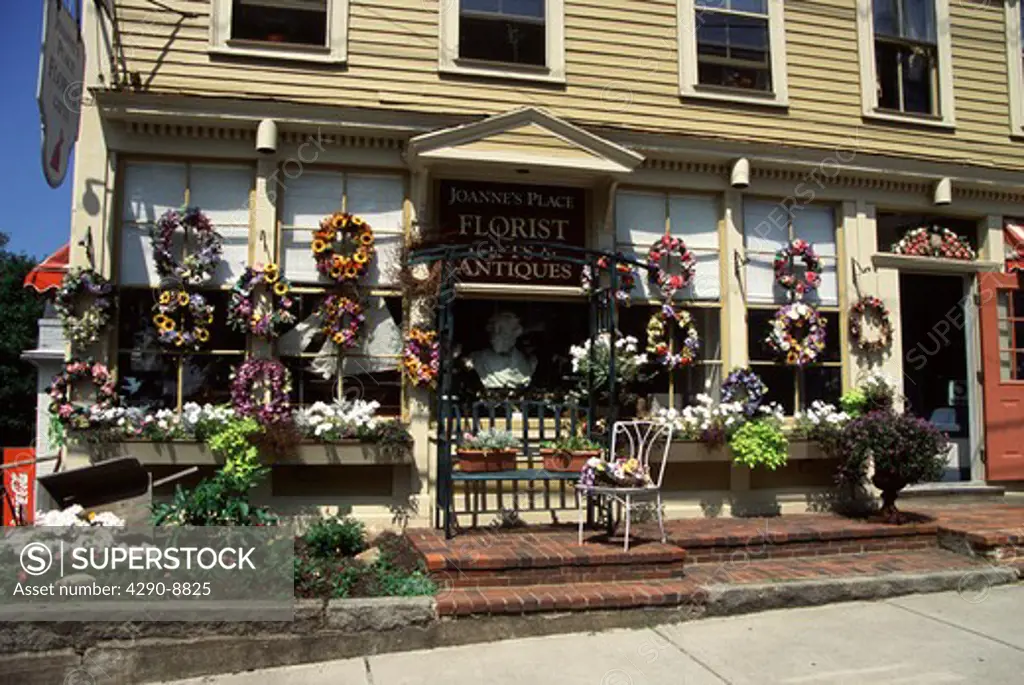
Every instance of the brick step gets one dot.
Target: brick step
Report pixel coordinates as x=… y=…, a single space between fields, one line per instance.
x=570 y=572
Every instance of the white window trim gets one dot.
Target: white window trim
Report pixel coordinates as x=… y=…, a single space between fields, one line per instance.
x=688 y=86
x=449 y=61
x=1014 y=67
x=869 y=82
x=336 y=51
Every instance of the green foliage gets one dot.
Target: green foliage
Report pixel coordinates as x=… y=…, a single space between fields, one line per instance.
x=572 y=443
x=854 y=402
x=760 y=443
x=333 y=537
x=21 y=309
x=233 y=442
x=490 y=439
x=222 y=500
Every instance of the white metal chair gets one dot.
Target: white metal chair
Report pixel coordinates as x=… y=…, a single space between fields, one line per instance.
x=635 y=439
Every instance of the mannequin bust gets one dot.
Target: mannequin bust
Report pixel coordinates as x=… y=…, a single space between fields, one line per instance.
x=503 y=365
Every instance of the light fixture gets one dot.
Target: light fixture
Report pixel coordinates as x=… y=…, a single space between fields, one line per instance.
x=740 y=177
x=943 y=193
x=266 y=137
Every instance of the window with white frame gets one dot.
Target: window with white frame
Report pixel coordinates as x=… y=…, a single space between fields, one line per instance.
x=370 y=369
x=733 y=50
x=522 y=39
x=1015 y=63
x=313 y=30
x=906 y=59
x=641 y=218
x=767 y=228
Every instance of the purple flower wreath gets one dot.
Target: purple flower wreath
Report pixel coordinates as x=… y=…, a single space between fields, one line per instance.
x=259 y=389
x=243 y=314
x=196 y=268
x=745 y=386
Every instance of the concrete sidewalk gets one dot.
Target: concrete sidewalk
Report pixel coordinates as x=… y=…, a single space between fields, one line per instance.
x=922 y=639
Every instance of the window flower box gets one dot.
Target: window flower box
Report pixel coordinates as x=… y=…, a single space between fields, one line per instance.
x=192 y=453
x=694 y=451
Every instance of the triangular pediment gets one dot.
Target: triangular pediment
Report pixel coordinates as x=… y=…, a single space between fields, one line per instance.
x=527 y=136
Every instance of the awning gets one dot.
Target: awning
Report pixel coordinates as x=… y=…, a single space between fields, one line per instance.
x=50 y=272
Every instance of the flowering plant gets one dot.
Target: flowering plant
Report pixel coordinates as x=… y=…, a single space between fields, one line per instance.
x=707 y=421
x=337 y=233
x=870 y=306
x=69 y=414
x=259 y=389
x=341 y=420
x=783 y=266
x=421 y=357
x=664 y=249
x=76 y=517
x=490 y=439
x=246 y=316
x=745 y=387
x=182 y=319
x=627 y=360
x=658 y=337
x=342 y=318
x=85 y=328
x=935 y=242
x=198 y=267
x=797 y=333
x=626 y=278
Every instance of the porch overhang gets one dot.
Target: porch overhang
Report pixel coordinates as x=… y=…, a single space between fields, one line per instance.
x=523 y=138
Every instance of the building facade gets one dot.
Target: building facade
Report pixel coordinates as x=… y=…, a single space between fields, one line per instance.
x=735 y=125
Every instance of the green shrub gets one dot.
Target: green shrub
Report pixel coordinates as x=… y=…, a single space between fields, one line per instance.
x=760 y=443
x=233 y=442
x=222 y=500
x=330 y=538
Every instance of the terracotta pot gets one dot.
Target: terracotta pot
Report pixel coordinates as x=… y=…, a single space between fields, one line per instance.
x=566 y=460
x=485 y=461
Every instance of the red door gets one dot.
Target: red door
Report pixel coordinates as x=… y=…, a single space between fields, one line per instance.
x=1002 y=345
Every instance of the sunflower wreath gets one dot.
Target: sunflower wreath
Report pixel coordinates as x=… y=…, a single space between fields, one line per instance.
x=658 y=337
x=664 y=249
x=84 y=329
x=797 y=334
x=74 y=416
x=196 y=268
x=783 y=265
x=626 y=278
x=747 y=388
x=935 y=242
x=182 y=319
x=342 y=319
x=246 y=315
x=421 y=357
x=870 y=307
x=337 y=233
x=259 y=389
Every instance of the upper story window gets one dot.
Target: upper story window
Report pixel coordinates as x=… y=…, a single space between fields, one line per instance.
x=1015 y=63
x=521 y=39
x=906 y=56
x=733 y=50
x=313 y=30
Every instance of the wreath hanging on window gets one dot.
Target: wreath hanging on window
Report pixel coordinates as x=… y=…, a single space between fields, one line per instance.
x=935 y=242
x=658 y=337
x=196 y=268
x=626 y=278
x=342 y=319
x=784 y=274
x=421 y=358
x=88 y=291
x=874 y=308
x=343 y=247
x=663 y=250
x=797 y=334
x=264 y=320
x=75 y=416
x=747 y=388
x=182 y=319
x=259 y=389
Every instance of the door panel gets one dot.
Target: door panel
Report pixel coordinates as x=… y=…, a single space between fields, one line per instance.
x=1002 y=344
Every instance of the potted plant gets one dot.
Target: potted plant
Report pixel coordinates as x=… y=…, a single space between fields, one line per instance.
x=488 y=450
x=569 y=452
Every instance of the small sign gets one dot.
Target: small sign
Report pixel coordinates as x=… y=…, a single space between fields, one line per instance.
x=61 y=74
x=500 y=217
x=19 y=486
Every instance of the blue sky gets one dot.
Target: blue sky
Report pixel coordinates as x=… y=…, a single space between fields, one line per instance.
x=37 y=218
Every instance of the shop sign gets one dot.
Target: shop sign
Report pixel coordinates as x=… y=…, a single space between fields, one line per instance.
x=61 y=72
x=501 y=218
x=19 y=485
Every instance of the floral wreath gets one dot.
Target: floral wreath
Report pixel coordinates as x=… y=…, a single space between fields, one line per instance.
x=182 y=319
x=75 y=416
x=197 y=268
x=626 y=278
x=85 y=328
x=745 y=386
x=245 y=316
x=342 y=318
x=663 y=249
x=935 y=242
x=336 y=230
x=783 y=265
x=259 y=389
x=797 y=333
x=870 y=306
x=421 y=357
x=657 y=337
